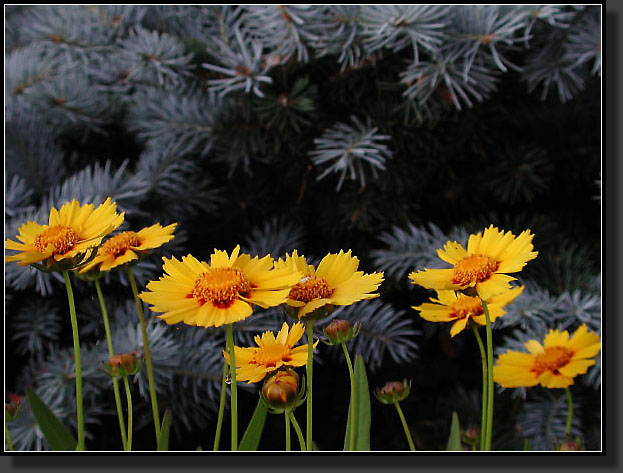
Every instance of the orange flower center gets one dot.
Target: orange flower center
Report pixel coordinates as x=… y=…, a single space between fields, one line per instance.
x=269 y=355
x=221 y=286
x=118 y=244
x=473 y=269
x=310 y=288
x=62 y=237
x=465 y=306
x=552 y=359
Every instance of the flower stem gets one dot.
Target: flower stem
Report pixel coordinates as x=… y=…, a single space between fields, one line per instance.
x=297 y=429
x=147 y=351
x=234 y=388
x=221 y=408
x=74 y=330
x=285 y=415
x=310 y=368
x=569 y=414
x=404 y=426
x=128 y=395
x=488 y=435
x=353 y=398
x=7 y=435
x=483 y=359
x=111 y=352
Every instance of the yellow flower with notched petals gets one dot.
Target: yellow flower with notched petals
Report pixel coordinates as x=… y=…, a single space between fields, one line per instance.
x=336 y=281
x=484 y=265
x=553 y=364
x=253 y=364
x=69 y=234
x=451 y=306
x=129 y=246
x=219 y=293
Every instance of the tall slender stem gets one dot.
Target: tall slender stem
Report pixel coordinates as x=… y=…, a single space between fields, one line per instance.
x=221 y=408
x=234 y=388
x=569 y=414
x=353 y=399
x=147 y=351
x=76 y=339
x=297 y=429
x=285 y=415
x=128 y=395
x=483 y=359
x=310 y=369
x=7 y=435
x=405 y=426
x=489 y=377
x=111 y=352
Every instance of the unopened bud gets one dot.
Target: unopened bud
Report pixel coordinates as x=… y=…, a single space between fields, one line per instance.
x=570 y=446
x=124 y=364
x=340 y=331
x=471 y=434
x=393 y=391
x=281 y=390
x=12 y=407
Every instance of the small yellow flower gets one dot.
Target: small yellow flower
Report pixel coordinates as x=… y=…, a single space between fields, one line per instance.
x=69 y=234
x=253 y=364
x=126 y=247
x=553 y=364
x=219 y=293
x=484 y=266
x=451 y=306
x=336 y=281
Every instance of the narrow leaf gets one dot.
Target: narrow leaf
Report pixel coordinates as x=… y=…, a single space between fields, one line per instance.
x=53 y=430
x=362 y=392
x=454 y=441
x=163 y=441
x=251 y=438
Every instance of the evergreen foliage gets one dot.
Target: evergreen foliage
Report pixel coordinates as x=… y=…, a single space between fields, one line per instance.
x=386 y=129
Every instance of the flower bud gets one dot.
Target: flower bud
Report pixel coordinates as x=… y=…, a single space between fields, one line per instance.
x=124 y=364
x=340 y=331
x=12 y=407
x=393 y=391
x=570 y=446
x=471 y=435
x=281 y=391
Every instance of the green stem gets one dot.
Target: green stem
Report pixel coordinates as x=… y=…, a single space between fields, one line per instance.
x=297 y=429
x=483 y=359
x=489 y=377
x=128 y=395
x=353 y=398
x=285 y=415
x=221 y=408
x=234 y=388
x=9 y=443
x=147 y=351
x=569 y=414
x=74 y=330
x=111 y=352
x=310 y=368
x=404 y=426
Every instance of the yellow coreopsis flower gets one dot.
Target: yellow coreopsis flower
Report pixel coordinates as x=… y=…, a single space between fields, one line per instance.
x=272 y=353
x=452 y=306
x=336 y=281
x=219 y=293
x=553 y=364
x=484 y=265
x=129 y=246
x=69 y=234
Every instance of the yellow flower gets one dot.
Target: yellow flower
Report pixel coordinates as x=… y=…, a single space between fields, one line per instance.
x=336 y=281
x=253 y=364
x=219 y=293
x=484 y=265
x=553 y=364
x=451 y=306
x=129 y=246
x=69 y=234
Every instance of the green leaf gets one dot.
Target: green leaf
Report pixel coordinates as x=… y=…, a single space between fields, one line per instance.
x=362 y=410
x=454 y=441
x=53 y=430
x=251 y=438
x=163 y=441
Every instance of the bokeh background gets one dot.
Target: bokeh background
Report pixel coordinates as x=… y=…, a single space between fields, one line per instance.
x=386 y=129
